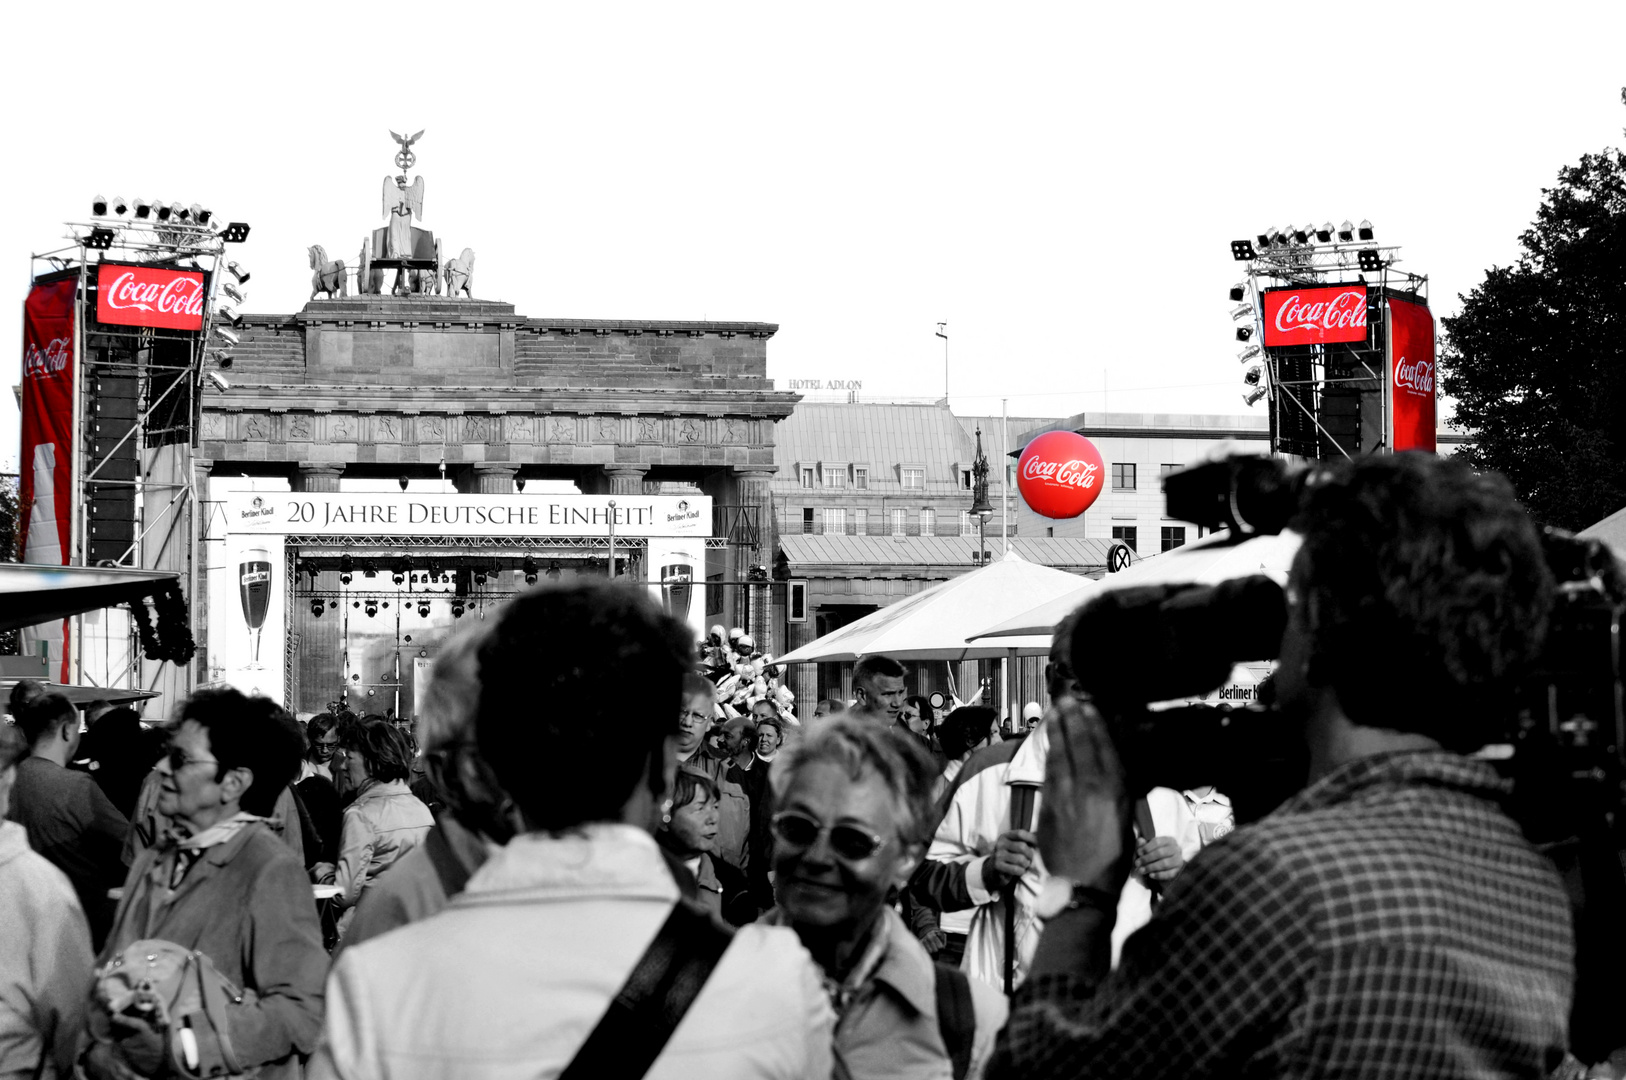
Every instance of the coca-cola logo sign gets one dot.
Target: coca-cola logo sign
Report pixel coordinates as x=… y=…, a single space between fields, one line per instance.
x=48 y=362
x=1414 y=376
x=1315 y=316
x=1060 y=474
x=149 y=296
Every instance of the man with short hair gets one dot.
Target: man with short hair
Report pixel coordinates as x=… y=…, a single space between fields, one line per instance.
x=1388 y=920
x=220 y=883
x=69 y=819
x=878 y=686
x=828 y=707
x=734 y=803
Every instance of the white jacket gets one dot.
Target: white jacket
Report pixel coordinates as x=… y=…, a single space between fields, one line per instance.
x=979 y=811
x=510 y=978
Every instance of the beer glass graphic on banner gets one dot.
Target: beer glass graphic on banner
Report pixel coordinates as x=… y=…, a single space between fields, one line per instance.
x=676 y=581
x=255 y=577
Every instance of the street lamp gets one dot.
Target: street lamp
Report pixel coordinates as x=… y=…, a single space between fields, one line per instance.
x=981 y=508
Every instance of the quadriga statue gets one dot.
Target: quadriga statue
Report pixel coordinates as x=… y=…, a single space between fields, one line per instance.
x=329 y=274
x=459 y=273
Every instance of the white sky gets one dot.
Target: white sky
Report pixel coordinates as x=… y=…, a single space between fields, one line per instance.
x=1058 y=182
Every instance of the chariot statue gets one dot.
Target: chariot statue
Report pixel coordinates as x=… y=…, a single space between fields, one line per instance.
x=413 y=253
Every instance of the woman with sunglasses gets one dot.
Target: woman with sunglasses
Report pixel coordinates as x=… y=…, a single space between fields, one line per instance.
x=689 y=831
x=853 y=815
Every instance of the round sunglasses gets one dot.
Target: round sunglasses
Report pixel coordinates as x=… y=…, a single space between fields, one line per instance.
x=799 y=832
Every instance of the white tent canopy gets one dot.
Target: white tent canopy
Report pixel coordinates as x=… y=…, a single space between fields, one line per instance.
x=934 y=624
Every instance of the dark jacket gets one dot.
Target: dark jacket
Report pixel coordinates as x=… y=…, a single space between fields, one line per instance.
x=73 y=825
x=247 y=905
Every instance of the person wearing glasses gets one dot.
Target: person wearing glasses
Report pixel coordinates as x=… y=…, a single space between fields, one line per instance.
x=219 y=882
x=853 y=815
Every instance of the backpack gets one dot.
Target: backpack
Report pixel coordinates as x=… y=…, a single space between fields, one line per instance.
x=956 y=1017
x=165 y=1009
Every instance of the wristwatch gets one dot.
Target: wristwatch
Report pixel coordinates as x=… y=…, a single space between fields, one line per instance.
x=1059 y=894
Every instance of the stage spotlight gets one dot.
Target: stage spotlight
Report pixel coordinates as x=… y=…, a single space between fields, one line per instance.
x=553 y=571
x=1300 y=236
x=1239 y=292
x=1323 y=235
x=199 y=215
x=1248 y=354
x=181 y=213
x=1254 y=396
x=1267 y=237
x=480 y=575
x=1282 y=237
x=235 y=233
x=100 y=239
x=1253 y=375
x=434 y=568
x=1243 y=312
x=1346 y=232
x=457 y=609
x=1242 y=251
x=347 y=567
x=317 y=607
x=1364 y=231
x=160 y=210
x=529 y=566
x=228 y=335
x=143 y=209
x=219 y=381
x=1370 y=260
x=423 y=609
x=98 y=206
x=403 y=482
x=236 y=271
x=369 y=568
x=1243 y=333
x=403 y=567
x=371 y=609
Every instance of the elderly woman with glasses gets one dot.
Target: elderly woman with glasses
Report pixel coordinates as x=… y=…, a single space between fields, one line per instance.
x=853 y=815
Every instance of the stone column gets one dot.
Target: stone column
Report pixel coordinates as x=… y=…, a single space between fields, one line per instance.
x=313 y=476
x=488 y=478
x=753 y=486
x=625 y=478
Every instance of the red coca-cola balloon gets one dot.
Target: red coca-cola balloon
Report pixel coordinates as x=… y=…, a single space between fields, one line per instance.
x=1060 y=474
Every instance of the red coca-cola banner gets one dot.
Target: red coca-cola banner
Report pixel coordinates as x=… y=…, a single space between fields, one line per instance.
x=149 y=296
x=1315 y=316
x=45 y=491
x=1411 y=376
x=1060 y=474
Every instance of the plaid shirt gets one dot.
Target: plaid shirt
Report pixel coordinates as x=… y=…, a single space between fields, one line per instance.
x=1387 y=921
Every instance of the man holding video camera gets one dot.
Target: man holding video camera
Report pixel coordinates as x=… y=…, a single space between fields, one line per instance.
x=1387 y=920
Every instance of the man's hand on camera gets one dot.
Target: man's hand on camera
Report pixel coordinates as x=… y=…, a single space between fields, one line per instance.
x=1159 y=858
x=1010 y=859
x=1084 y=816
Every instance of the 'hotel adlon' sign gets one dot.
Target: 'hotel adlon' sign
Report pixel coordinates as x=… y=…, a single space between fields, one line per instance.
x=412 y=514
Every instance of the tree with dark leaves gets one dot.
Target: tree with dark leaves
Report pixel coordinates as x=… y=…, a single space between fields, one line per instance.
x=1537 y=358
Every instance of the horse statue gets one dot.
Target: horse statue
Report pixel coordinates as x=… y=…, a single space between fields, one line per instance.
x=459 y=273
x=329 y=277
x=425 y=282
x=369 y=279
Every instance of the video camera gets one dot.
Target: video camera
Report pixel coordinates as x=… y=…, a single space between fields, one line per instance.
x=1152 y=644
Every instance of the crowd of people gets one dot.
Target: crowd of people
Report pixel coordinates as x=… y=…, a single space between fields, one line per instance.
x=595 y=855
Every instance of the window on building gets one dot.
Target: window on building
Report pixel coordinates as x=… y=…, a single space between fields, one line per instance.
x=899 y=524
x=860 y=476
x=1010 y=474
x=928 y=522
x=1125 y=535
x=807 y=476
x=835 y=519
x=1123 y=476
x=807 y=520
x=861 y=521
x=1174 y=536
x=965 y=479
x=1166 y=468
x=968 y=524
x=835 y=476
x=914 y=479
x=714 y=594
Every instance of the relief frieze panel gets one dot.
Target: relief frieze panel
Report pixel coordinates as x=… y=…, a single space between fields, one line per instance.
x=300 y=427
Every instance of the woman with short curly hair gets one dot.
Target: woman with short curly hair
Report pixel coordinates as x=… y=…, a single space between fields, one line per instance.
x=385 y=820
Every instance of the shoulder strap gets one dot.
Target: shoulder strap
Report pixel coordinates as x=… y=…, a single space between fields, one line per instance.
x=213 y=998
x=1143 y=822
x=956 y=1017
x=449 y=869
x=652 y=1002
